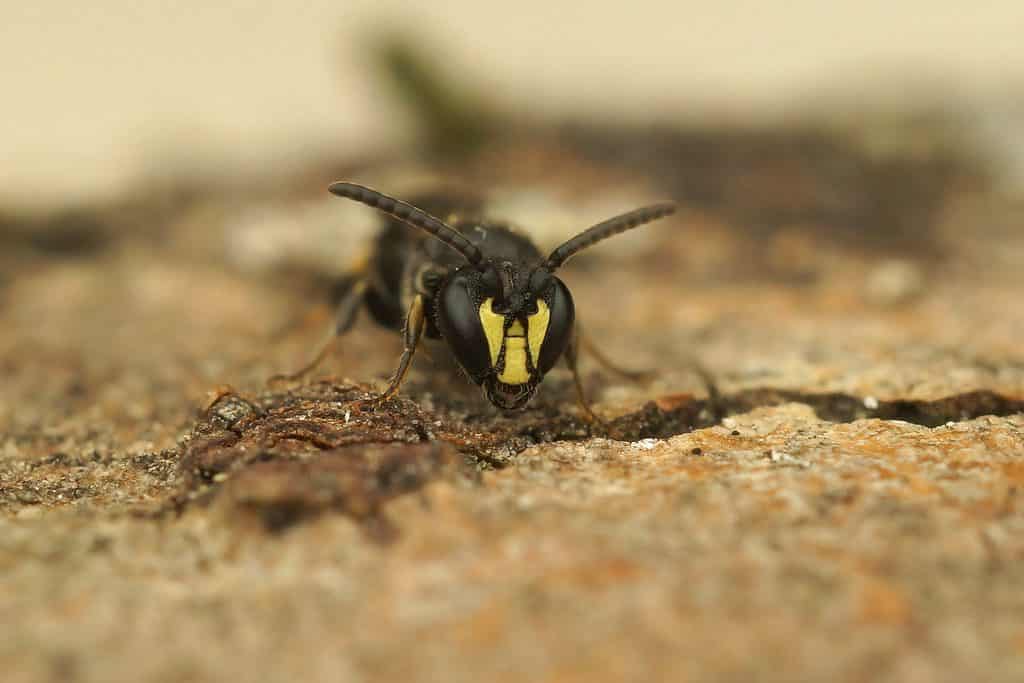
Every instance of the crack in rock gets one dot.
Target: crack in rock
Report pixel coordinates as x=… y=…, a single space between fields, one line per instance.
x=284 y=458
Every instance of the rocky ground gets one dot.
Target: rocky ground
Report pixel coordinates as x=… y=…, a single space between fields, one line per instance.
x=848 y=508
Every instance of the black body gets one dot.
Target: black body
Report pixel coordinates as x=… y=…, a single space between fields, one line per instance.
x=478 y=284
x=401 y=256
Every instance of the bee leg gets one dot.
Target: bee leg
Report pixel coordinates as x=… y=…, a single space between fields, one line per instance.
x=714 y=401
x=411 y=335
x=344 y=318
x=572 y=354
x=632 y=375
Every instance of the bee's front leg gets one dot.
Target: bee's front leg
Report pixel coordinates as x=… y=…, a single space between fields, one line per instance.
x=411 y=335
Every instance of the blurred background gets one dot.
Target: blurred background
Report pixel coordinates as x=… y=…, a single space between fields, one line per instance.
x=99 y=95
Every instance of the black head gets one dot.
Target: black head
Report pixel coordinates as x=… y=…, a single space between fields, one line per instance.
x=507 y=323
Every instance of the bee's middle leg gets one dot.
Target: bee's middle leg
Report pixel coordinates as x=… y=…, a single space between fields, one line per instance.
x=572 y=357
x=714 y=397
x=344 y=319
x=587 y=344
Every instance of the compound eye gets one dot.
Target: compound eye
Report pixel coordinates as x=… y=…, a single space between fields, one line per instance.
x=458 y=320
x=562 y=316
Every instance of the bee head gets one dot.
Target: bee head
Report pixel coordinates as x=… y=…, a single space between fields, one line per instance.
x=507 y=325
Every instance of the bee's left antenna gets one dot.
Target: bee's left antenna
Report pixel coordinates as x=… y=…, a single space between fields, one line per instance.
x=409 y=214
x=605 y=229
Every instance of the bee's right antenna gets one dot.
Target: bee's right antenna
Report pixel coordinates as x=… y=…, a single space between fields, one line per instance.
x=409 y=214
x=604 y=230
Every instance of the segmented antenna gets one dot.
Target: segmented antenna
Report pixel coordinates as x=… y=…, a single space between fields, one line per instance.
x=410 y=215
x=604 y=230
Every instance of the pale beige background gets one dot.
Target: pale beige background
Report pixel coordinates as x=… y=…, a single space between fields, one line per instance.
x=93 y=94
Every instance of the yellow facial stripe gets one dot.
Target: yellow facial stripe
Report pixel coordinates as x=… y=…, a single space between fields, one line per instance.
x=515 y=371
x=517 y=341
x=538 y=329
x=494 y=329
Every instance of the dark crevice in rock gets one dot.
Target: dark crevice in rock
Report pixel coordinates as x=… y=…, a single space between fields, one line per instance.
x=285 y=458
x=658 y=420
x=670 y=416
x=838 y=407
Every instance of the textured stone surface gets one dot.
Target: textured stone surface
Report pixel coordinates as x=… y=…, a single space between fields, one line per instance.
x=849 y=509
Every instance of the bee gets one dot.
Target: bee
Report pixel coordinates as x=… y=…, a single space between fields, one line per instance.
x=479 y=285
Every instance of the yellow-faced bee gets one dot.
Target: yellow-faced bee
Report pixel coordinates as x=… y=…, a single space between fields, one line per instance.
x=479 y=285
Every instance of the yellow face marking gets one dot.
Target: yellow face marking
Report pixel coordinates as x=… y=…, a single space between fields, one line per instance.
x=538 y=329
x=515 y=362
x=516 y=342
x=494 y=329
